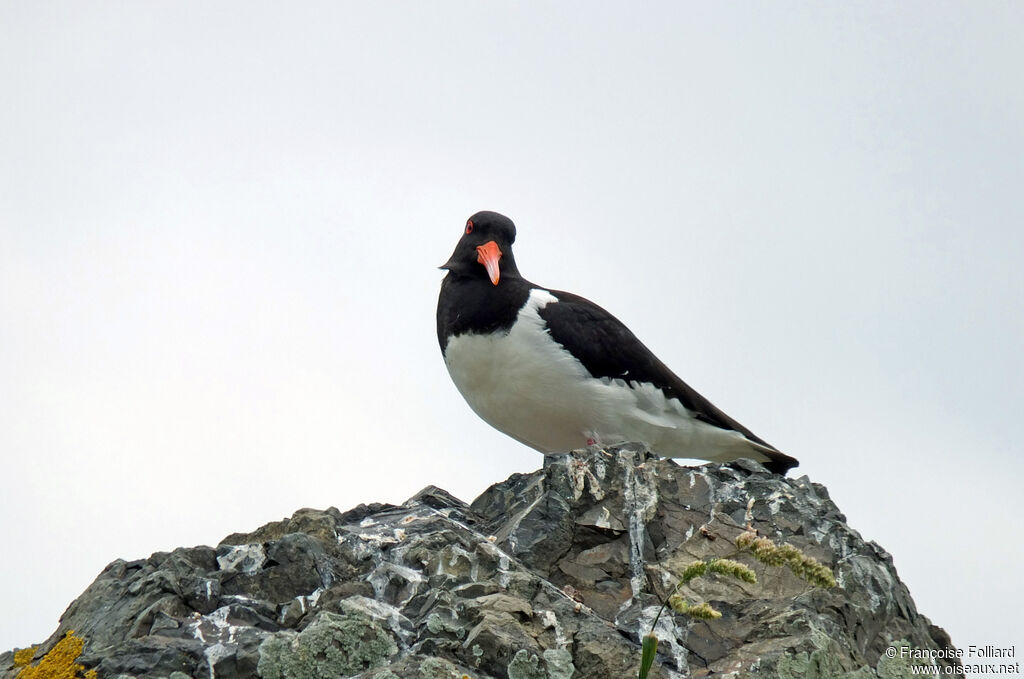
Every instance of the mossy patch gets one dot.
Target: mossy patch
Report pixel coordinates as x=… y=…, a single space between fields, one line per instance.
x=438 y=668
x=900 y=666
x=525 y=665
x=335 y=644
x=826 y=661
x=559 y=662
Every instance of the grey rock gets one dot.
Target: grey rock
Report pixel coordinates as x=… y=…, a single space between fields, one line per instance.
x=550 y=575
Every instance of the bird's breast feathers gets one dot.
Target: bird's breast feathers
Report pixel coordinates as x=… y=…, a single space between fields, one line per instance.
x=530 y=387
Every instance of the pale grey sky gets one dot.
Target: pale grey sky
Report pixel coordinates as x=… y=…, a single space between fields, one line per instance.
x=220 y=227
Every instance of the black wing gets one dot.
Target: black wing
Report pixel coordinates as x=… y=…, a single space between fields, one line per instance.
x=607 y=348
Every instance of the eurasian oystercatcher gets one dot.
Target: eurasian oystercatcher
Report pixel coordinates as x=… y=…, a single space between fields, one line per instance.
x=557 y=372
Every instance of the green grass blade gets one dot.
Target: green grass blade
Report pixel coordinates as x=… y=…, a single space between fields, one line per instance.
x=648 y=650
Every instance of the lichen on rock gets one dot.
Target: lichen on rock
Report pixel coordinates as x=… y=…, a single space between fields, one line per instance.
x=332 y=645
x=58 y=663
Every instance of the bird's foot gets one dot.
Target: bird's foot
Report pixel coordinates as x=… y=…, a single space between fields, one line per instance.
x=593 y=439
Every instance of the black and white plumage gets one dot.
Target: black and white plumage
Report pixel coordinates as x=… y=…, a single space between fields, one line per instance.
x=557 y=372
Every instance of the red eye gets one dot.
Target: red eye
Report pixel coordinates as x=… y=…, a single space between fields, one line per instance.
x=469 y=226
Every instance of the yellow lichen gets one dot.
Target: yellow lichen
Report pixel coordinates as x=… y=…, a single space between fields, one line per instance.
x=59 y=663
x=24 y=656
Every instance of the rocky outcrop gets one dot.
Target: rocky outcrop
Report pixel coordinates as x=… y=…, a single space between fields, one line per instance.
x=549 y=575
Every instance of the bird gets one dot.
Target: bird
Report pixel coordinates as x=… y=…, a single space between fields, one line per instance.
x=557 y=372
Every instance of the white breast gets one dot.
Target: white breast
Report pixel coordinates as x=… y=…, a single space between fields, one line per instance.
x=528 y=386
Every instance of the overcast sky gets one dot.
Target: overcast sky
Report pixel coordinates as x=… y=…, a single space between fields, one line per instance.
x=220 y=226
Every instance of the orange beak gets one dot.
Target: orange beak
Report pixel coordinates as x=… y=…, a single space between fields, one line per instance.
x=488 y=254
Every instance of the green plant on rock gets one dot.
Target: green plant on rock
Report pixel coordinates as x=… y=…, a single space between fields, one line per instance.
x=764 y=550
x=805 y=567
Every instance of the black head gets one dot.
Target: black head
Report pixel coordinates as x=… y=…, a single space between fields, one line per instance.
x=485 y=249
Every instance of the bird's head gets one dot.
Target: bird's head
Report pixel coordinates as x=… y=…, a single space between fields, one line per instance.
x=485 y=249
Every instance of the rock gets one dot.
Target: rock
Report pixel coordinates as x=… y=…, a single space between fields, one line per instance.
x=549 y=575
